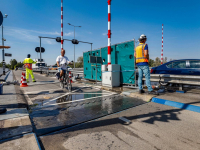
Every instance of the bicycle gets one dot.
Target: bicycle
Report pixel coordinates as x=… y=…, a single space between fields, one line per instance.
x=65 y=80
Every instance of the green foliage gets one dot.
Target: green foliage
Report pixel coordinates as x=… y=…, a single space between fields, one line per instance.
x=151 y=62
x=157 y=62
x=13 y=62
x=78 y=64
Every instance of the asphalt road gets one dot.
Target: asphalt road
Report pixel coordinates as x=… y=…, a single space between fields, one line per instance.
x=91 y=118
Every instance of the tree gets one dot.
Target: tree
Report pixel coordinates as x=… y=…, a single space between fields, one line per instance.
x=19 y=65
x=13 y=62
x=151 y=62
x=165 y=60
x=157 y=62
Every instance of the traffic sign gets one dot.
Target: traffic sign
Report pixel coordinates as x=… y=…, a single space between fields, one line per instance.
x=1 y=18
x=8 y=54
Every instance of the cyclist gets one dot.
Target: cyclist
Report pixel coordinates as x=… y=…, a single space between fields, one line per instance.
x=62 y=62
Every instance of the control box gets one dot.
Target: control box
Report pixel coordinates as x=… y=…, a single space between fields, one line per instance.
x=111 y=75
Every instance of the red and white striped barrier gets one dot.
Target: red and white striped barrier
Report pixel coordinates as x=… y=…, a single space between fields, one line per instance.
x=24 y=83
x=162 y=47
x=109 y=33
x=61 y=24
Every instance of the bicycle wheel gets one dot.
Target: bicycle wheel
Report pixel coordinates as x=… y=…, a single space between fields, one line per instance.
x=69 y=84
x=62 y=83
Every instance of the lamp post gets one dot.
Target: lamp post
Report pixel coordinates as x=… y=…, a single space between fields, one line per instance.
x=3 y=57
x=74 y=38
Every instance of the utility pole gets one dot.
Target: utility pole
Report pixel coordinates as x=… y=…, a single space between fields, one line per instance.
x=3 y=57
x=74 y=38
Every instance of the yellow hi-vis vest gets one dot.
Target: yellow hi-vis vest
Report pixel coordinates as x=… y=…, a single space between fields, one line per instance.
x=28 y=63
x=140 y=56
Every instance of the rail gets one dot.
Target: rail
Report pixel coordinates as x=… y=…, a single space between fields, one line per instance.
x=178 y=79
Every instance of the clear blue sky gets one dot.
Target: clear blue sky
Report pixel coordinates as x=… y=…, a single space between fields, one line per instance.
x=28 y=19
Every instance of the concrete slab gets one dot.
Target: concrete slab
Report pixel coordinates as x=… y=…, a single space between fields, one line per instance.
x=25 y=142
x=134 y=93
x=14 y=113
x=153 y=126
x=15 y=126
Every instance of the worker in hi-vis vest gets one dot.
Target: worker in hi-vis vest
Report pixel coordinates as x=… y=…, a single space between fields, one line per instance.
x=142 y=59
x=28 y=65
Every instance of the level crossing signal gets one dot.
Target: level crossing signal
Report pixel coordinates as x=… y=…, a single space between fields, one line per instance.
x=58 y=39
x=37 y=49
x=75 y=41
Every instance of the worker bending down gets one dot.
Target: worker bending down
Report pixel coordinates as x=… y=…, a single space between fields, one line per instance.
x=28 y=65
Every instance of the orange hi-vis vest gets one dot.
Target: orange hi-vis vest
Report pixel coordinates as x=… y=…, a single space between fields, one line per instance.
x=140 y=56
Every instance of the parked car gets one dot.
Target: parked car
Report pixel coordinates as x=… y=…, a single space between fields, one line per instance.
x=179 y=67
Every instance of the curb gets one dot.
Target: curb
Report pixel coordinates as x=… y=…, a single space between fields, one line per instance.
x=176 y=104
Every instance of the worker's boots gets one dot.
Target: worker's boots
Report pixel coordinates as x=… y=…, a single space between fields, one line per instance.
x=141 y=91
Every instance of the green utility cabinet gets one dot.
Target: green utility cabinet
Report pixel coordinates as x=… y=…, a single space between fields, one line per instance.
x=121 y=54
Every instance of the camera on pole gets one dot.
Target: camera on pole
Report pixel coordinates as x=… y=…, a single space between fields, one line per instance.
x=75 y=41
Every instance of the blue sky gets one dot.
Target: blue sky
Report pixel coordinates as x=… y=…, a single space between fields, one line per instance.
x=28 y=19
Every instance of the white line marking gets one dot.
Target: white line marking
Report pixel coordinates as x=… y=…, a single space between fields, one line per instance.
x=76 y=94
x=42 y=91
x=77 y=100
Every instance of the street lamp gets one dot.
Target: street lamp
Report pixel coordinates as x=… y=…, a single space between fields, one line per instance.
x=3 y=48
x=74 y=38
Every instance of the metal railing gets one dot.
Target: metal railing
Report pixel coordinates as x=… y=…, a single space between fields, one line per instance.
x=178 y=79
x=162 y=78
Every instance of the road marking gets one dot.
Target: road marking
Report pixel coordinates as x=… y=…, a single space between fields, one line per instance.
x=176 y=104
x=125 y=120
x=42 y=91
x=75 y=100
x=76 y=94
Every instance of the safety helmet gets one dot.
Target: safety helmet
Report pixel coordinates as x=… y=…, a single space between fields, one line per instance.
x=29 y=55
x=143 y=37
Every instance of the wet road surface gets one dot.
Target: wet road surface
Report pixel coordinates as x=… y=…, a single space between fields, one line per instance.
x=49 y=118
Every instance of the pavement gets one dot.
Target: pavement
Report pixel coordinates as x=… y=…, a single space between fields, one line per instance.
x=151 y=126
x=91 y=117
x=15 y=123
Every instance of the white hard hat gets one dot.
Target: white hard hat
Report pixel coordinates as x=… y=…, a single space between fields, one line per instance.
x=143 y=37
